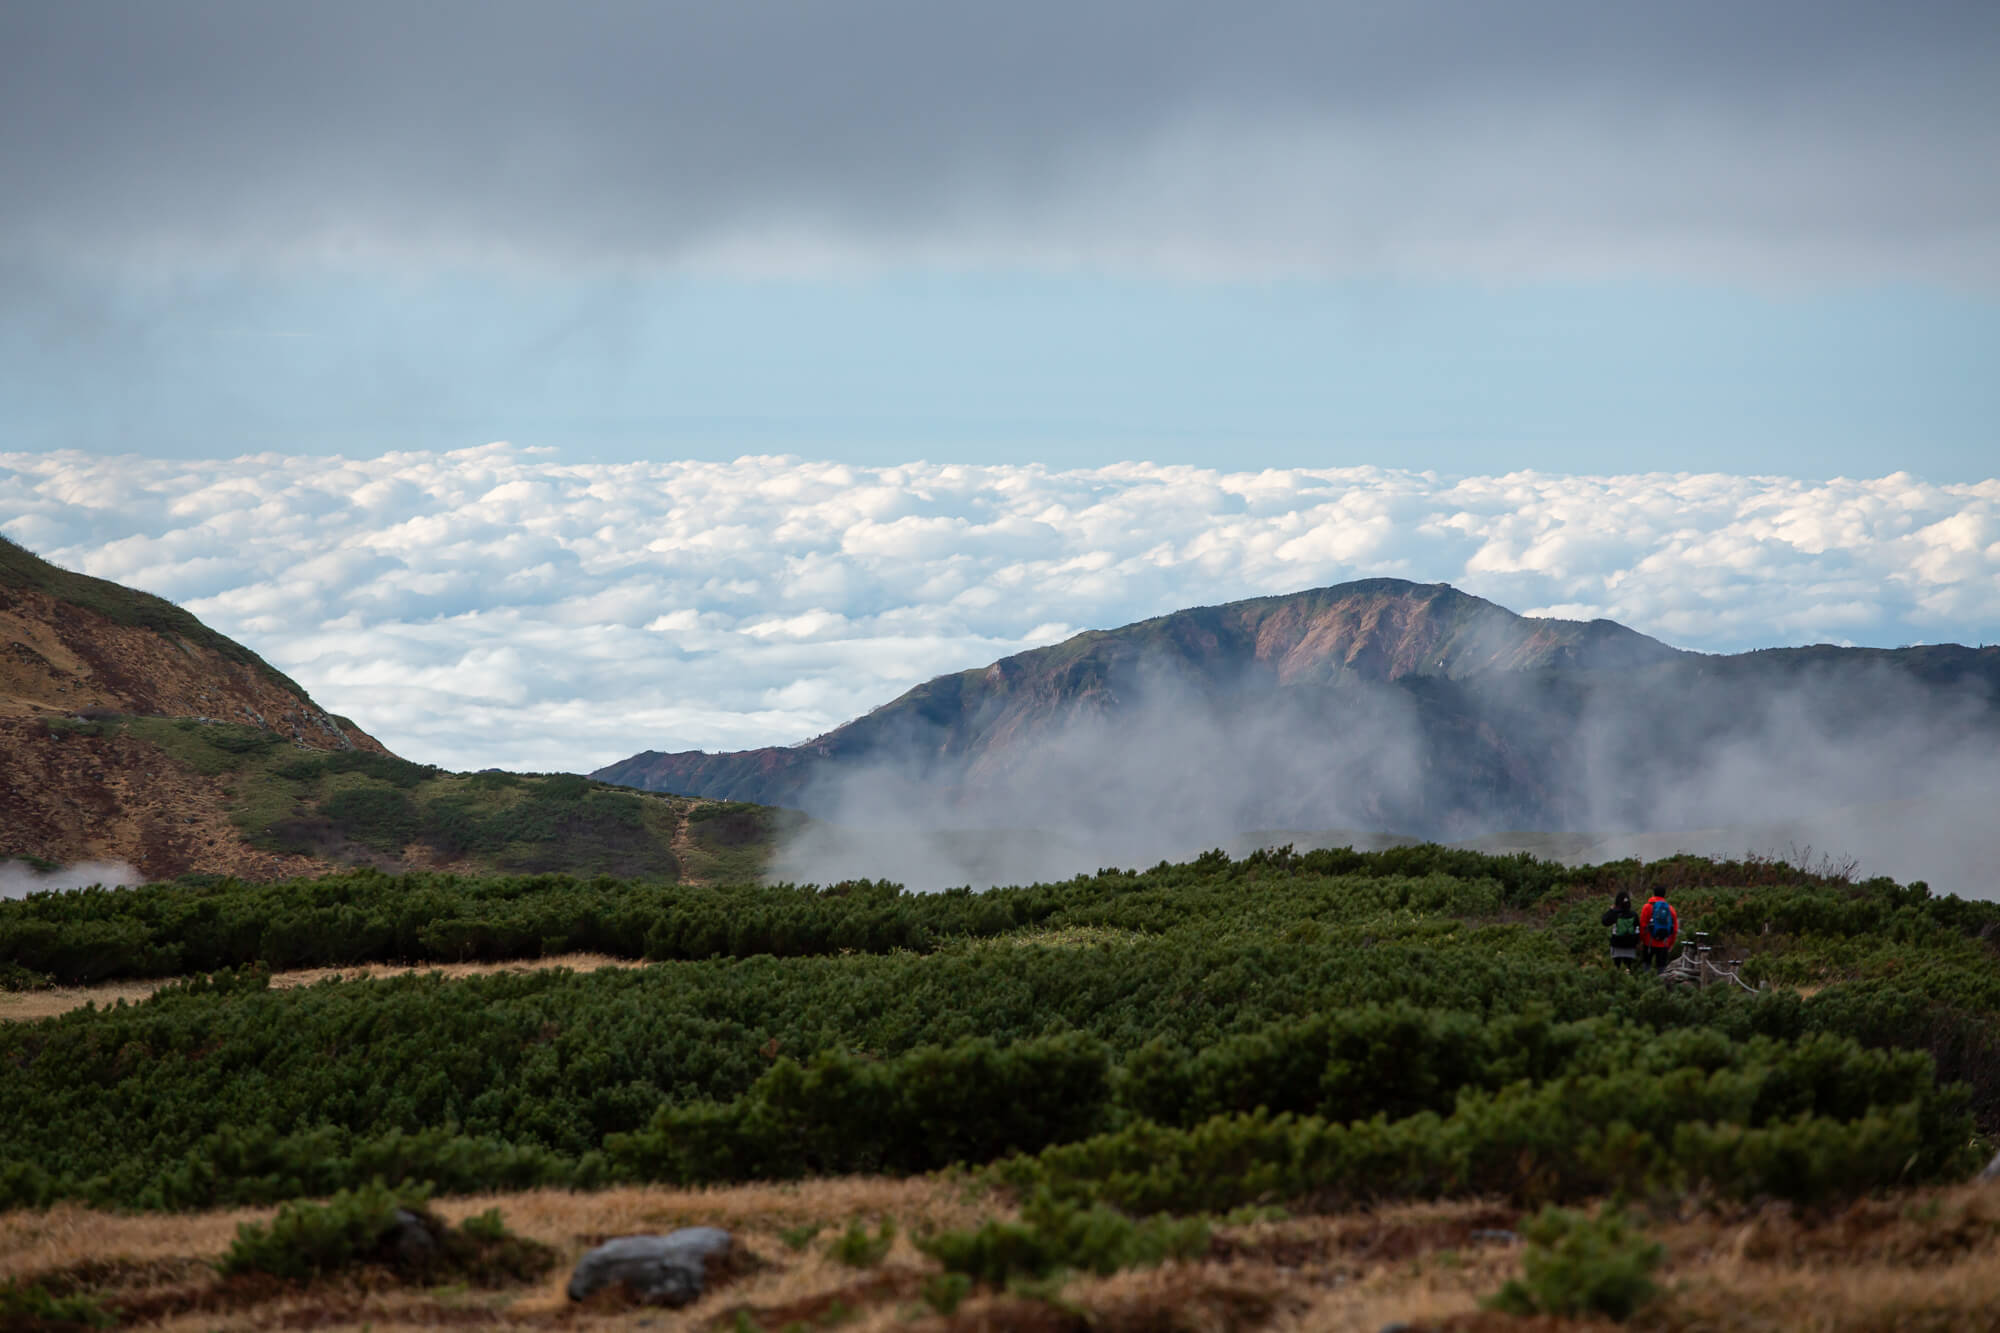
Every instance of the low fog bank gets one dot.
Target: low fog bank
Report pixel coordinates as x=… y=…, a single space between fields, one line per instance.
x=1947 y=839
x=1861 y=764
x=18 y=879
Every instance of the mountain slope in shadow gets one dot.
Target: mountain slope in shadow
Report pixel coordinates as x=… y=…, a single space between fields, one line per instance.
x=1400 y=708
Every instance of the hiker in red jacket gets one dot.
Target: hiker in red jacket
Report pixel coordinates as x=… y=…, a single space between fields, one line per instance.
x=1659 y=927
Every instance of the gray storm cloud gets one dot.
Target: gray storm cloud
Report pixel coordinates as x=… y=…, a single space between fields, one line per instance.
x=1323 y=137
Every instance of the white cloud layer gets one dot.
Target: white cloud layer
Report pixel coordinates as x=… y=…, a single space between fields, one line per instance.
x=494 y=607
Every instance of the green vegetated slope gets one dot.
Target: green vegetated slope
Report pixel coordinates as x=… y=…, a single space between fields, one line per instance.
x=1302 y=1029
x=357 y=806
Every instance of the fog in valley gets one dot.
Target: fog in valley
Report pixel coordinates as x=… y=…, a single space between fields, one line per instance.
x=1847 y=761
x=18 y=879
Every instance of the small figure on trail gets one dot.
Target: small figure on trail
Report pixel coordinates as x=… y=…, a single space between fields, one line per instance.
x=1624 y=923
x=1659 y=927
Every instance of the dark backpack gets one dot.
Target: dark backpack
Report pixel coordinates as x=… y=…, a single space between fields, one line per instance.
x=1625 y=928
x=1661 y=923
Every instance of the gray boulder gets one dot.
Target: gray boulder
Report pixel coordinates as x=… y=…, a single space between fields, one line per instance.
x=666 y=1270
x=411 y=1242
x=1992 y=1171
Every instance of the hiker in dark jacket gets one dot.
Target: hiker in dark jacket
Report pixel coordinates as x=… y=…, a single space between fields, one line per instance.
x=1659 y=927
x=1624 y=923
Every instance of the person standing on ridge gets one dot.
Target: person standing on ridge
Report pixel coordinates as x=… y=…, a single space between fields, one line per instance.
x=1659 y=927
x=1625 y=938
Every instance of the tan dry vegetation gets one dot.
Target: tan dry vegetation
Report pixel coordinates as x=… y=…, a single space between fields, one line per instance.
x=1927 y=1259
x=21 y=1006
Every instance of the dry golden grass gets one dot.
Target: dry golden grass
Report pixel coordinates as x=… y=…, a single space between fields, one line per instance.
x=19 y=1006
x=1928 y=1259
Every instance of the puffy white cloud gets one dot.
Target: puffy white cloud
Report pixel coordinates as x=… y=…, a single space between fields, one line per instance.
x=494 y=606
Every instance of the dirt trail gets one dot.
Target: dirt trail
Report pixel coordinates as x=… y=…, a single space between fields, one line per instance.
x=18 y=1006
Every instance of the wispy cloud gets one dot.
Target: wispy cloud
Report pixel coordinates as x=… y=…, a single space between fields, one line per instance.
x=494 y=606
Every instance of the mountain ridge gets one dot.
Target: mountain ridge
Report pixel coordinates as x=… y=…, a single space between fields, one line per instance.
x=1377 y=630
x=130 y=732
x=1402 y=708
x=71 y=644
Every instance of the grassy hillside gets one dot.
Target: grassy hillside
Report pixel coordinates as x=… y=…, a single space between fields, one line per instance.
x=358 y=807
x=21 y=568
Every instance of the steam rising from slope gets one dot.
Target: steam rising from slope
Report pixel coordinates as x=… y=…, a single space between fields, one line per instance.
x=18 y=880
x=1855 y=760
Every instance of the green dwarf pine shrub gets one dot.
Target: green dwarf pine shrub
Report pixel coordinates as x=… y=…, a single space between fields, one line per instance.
x=1582 y=1265
x=29 y=1306
x=857 y=1249
x=354 y=1227
x=1054 y=1236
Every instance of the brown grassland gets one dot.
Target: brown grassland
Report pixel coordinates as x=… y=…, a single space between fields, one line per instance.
x=1925 y=1259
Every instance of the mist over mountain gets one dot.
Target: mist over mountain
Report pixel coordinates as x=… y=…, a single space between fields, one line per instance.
x=1379 y=707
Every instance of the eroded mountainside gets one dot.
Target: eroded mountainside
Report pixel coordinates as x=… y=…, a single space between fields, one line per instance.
x=76 y=652
x=130 y=732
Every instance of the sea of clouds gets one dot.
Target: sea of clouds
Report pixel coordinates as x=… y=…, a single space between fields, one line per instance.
x=496 y=606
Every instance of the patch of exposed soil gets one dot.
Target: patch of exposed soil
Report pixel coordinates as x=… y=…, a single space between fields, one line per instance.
x=76 y=797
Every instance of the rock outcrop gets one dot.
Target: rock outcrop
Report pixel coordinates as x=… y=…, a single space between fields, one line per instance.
x=671 y=1270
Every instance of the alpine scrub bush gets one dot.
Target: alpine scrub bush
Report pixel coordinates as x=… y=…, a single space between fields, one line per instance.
x=934 y=1106
x=1283 y=1028
x=1054 y=1236
x=307 y=1240
x=857 y=1249
x=1562 y=1140
x=378 y=1225
x=30 y=1308
x=1578 y=1265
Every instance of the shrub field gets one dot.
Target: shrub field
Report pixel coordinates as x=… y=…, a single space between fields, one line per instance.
x=1305 y=1030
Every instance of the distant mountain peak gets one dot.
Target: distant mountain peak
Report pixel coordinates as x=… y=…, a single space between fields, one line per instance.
x=1367 y=632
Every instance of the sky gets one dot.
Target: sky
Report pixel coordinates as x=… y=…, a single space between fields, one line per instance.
x=639 y=375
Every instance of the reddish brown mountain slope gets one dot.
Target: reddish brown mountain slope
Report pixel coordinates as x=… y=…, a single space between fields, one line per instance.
x=1375 y=631
x=74 y=648
x=60 y=659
